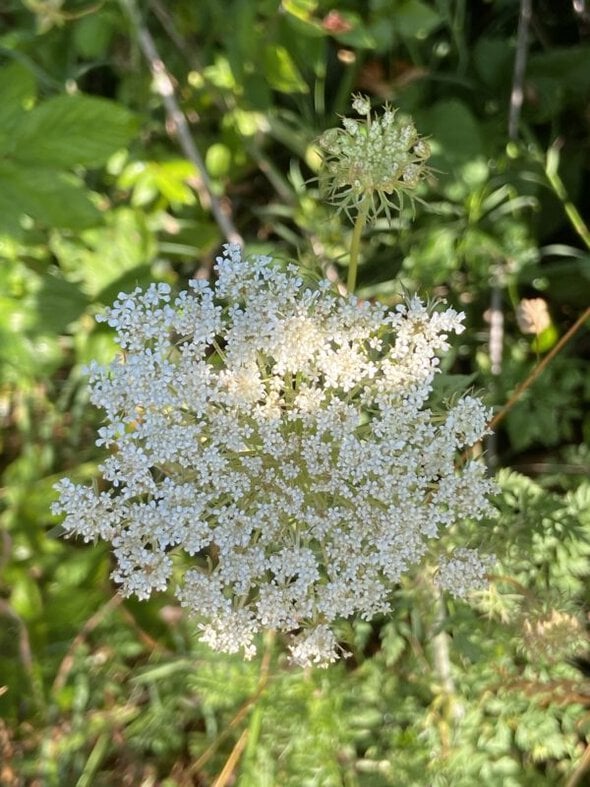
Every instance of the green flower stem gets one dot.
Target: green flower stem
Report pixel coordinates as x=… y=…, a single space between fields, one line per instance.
x=550 y=165
x=355 y=244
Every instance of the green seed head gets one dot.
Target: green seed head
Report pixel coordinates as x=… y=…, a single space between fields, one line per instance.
x=372 y=161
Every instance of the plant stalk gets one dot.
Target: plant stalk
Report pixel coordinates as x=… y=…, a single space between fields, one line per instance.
x=355 y=244
x=573 y=214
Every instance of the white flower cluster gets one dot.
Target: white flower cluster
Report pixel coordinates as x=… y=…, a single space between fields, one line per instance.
x=273 y=453
x=463 y=572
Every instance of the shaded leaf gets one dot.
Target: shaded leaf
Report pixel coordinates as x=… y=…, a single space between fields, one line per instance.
x=415 y=19
x=73 y=130
x=59 y=303
x=17 y=89
x=47 y=195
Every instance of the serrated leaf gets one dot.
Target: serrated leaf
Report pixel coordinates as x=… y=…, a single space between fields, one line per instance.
x=67 y=131
x=53 y=198
x=59 y=303
x=17 y=88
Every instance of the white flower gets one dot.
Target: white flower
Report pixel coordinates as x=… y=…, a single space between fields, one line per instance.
x=463 y=572
x=273 y=456
x=317 y=647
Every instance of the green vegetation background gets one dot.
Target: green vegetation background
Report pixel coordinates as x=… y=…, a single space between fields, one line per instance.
x=97 y=196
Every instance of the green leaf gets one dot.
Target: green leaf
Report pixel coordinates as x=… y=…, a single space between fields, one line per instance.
x=17 y=90
x=281 y=71
x=151 y=179
x=414 y=19
x=73 y=130
x=545 y=340
x=456 y=134
x=51 y=197
x=93 y=33
x=568 y=66
x=494 y=61
x=302 y=9
x=59 y=303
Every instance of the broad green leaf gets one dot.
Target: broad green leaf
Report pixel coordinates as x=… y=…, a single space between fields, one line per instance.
x=92 y=34
x=494 y=62
x=152 y=179
x=548 y=98
x=67 y=131
x=220 y=74
x=415 y=19
x=17 y=90
x=58 y=303
x=51 y=197
x=172 y=178
x=455 y=131
x=568 y=66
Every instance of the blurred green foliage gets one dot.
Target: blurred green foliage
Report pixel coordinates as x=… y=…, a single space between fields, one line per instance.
x=96 y=196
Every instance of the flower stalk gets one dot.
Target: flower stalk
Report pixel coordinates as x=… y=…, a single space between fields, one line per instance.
x=355 y=245
x=369 y=166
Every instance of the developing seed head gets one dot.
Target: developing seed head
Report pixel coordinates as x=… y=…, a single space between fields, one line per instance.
x=375 y=160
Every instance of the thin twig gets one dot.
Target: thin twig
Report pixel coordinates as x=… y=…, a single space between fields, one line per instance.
x=232 y=761
x=517 y=94
x=243 y=711
x=580 y=770
x=501 y=414
x=115 y=602
x=68 y=660
x=167 y=23
x=165 y=87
